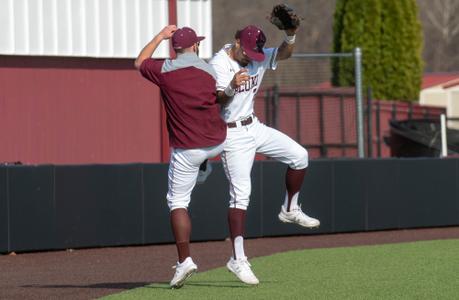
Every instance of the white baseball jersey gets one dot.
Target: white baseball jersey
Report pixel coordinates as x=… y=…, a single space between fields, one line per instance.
x=244 y=141
x=225 y=67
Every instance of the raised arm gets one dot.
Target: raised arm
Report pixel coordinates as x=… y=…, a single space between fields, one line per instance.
x=285 y=18
x=147 y=51
x=285 y=50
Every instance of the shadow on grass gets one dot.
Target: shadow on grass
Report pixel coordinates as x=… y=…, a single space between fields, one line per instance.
x=229 y=283
x=102 y=285
x=149 y=285
x=210 y=284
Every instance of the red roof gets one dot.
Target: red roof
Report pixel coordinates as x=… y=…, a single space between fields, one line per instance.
x=432 y=79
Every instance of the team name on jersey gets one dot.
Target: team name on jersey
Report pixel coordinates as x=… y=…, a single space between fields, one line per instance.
x=250 y=84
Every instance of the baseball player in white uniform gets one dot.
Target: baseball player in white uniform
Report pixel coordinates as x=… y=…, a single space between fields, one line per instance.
x=240 y=67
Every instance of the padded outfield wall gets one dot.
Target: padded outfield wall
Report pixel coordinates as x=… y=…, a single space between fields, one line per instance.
x=58 y=207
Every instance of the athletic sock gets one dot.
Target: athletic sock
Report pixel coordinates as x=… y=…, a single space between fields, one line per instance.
x=236 y=221
x=181 y=228
x=293 y=182
x=239 y=247
x=291 y=203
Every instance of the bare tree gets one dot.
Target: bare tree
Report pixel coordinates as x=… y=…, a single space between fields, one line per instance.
x=444 y=18
x=440 y=20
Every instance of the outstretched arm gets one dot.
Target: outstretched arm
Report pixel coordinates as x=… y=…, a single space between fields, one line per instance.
x=150 y=48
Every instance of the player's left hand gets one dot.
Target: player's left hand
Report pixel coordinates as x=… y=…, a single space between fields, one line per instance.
x=285 y=18
x=291 y=31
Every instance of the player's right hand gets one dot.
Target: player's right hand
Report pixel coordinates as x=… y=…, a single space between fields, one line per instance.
x=240 y=78
x=168 y=31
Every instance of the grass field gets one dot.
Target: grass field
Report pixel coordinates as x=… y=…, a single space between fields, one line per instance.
x=421 y=270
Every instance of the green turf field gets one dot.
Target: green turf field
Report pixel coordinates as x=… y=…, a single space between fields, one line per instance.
x=421 y=270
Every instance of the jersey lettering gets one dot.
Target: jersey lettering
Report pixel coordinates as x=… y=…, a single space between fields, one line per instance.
x=251 y=83
x=242 y=104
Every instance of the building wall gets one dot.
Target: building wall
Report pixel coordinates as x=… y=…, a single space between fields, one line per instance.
x=69 y=93
x=96 y=28
x=77 y=110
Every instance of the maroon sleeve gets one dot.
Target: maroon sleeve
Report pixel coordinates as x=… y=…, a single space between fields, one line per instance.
x=151 y=70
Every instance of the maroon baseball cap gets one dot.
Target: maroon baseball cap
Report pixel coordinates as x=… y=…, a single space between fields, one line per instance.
x=252 y=40
x=184 y=38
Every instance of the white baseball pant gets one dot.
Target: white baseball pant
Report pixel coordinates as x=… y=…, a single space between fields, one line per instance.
x=183 y=171
x=242 y=143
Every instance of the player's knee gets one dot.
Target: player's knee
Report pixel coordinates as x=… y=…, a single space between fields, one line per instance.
x=171 y=208
x=175 y=203
x=240 y=203
x=302 y=159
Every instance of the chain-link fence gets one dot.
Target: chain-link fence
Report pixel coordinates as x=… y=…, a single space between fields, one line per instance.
x=299 y=100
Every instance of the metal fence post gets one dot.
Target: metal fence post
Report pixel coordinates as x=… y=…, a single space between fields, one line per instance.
x=323 y=147
x=343 y=131
x=267 y=106
x=359 y=102
x=370 y=122
x=378 y=127
x=275 y=105
x=298 y=119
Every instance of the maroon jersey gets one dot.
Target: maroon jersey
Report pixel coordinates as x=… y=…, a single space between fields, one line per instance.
x=187 y=87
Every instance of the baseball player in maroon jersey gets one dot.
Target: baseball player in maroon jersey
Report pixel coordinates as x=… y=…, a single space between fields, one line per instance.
x=196 y=130
x=240 y=67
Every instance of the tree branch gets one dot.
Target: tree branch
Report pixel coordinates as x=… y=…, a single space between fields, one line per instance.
x=433 y=20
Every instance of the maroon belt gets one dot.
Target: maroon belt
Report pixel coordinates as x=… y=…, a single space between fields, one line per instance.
x=243 y=122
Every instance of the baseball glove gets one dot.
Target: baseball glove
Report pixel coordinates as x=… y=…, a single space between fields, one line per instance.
x=284 y=17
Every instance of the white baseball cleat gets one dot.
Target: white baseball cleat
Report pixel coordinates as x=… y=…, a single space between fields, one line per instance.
x=183 y=271
x=242 y=269
x=204 y=171
x=297 y=216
